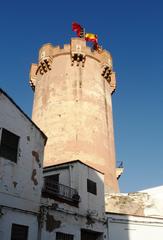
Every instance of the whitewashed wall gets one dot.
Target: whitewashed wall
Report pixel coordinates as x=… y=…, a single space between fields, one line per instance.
x=69 y=223
x=21 y=182
x=154 y=205
x=75 y=175
x=127 y=227
x=12 y=216
x=72 y=219
x=89 y=202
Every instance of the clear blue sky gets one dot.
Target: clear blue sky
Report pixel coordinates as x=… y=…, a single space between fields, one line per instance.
x=133 y=32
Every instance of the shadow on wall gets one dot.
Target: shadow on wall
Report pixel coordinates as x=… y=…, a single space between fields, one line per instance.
x=118 y=228
x=127 y=227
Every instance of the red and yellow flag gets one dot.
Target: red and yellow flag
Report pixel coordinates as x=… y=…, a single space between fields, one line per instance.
x=91 y=37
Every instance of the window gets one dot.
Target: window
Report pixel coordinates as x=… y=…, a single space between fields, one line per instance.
x=64 y=236
x=19 y=232
x=90 y=235
x=9 y=145
x=52 y=183
x=91 y=187
x=54 y=178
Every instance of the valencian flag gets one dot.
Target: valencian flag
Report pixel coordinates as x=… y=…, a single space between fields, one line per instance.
x=78 y=29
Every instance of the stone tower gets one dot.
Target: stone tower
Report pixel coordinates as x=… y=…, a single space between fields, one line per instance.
x=73 y=107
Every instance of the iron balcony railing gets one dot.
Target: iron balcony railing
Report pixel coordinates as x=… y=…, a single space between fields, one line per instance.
x=60 y=191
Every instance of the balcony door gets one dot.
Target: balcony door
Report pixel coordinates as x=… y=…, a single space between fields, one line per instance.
x=52 y=182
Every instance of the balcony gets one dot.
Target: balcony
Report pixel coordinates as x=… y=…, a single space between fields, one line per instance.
x=60 y=192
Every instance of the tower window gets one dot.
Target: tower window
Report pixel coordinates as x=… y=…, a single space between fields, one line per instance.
x=91 y=187
x=9 y=145
x=64 y=236
x=19 y=232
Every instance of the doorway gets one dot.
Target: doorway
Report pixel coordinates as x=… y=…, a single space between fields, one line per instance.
x=91 y=235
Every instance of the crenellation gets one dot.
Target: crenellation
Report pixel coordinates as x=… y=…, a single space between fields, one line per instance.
x=79 y=52
x=76 y=45
x=93 y=54
x=66 y=47
x=45 y=51
x=56 y=50
x=106 y=58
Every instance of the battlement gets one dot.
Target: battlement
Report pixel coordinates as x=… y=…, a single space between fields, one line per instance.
x=77 y=45
x=79 y=52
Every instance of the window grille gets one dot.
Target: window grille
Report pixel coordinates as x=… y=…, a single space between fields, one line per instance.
x=59 y=190
x=64 y=236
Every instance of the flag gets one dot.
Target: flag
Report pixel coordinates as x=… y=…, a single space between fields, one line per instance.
x=78 y=29
x=97 y=47
x=91 y=37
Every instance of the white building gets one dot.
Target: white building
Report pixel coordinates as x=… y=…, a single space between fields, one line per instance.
x=74 y=203
x=128 y=227
x=21 y=156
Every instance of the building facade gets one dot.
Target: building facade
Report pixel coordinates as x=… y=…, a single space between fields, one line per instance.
x=73 y=202
x=21 y=160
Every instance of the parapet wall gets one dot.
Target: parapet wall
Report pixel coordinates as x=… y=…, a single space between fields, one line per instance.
x=79 y=53
x=145 y=203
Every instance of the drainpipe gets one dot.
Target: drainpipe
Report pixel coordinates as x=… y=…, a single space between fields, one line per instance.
x=107 y=228
x=39 y=232
x=40 y=222
x=70 y=176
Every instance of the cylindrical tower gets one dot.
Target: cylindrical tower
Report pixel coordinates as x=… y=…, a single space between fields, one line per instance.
x=72 y=105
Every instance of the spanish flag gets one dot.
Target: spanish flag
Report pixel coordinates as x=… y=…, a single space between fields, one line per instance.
x=91 y=37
